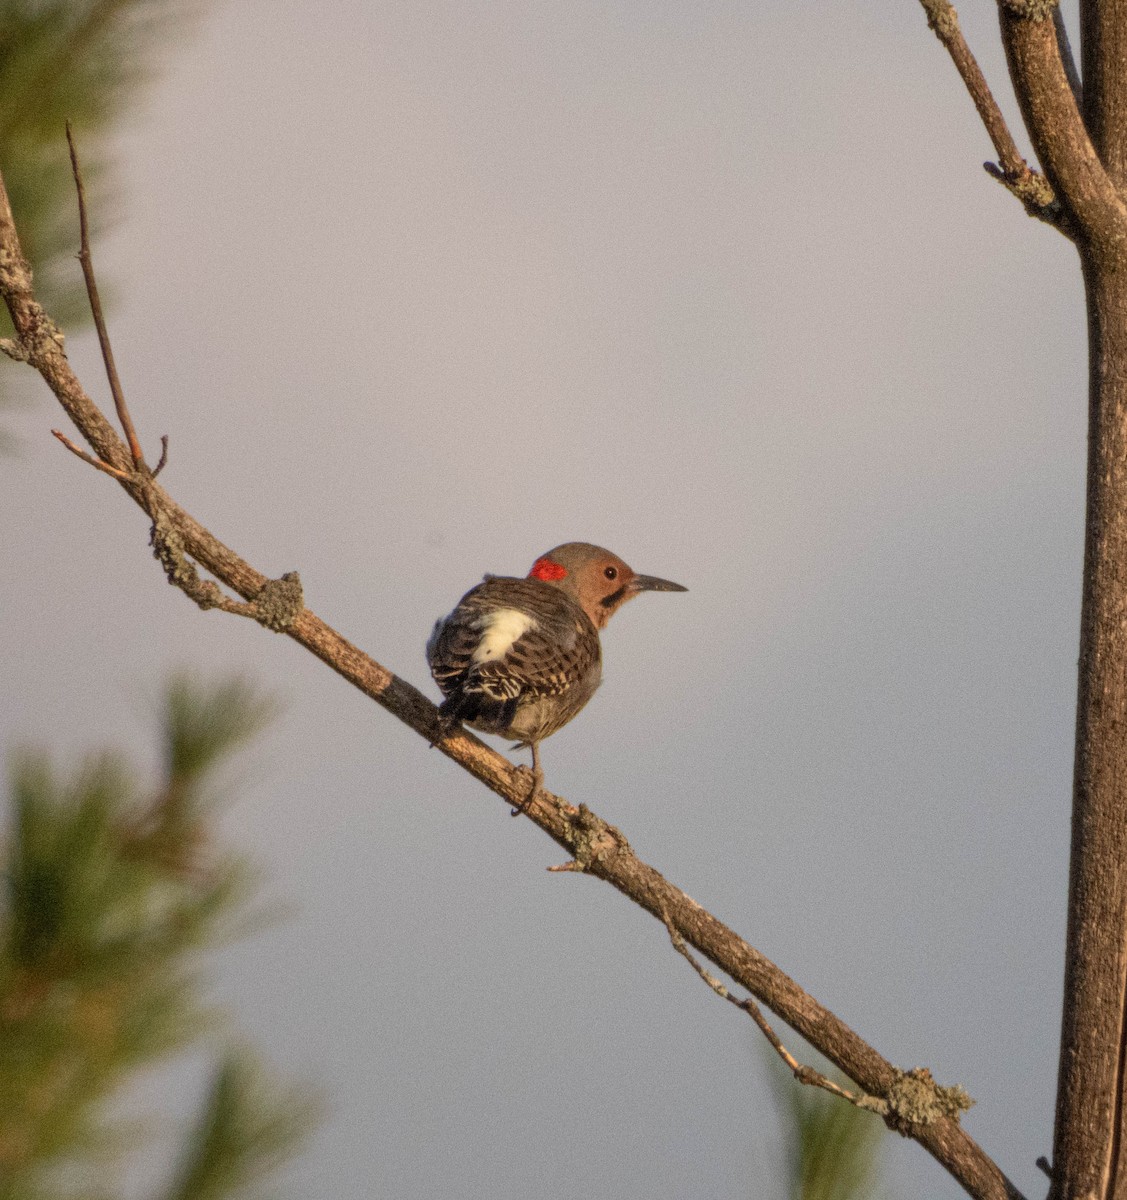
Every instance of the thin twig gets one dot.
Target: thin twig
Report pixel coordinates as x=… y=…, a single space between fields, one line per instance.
x=1029 y=186
x=801 y=1072
x=944 y=21
x=238 y=608
x=89 y=458
x=162 y=463
x=96 y=309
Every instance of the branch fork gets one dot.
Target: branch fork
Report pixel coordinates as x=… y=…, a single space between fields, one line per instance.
x=1012 y=171
x=1078 y=130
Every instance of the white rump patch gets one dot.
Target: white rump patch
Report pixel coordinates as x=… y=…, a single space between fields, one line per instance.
x=499 y=632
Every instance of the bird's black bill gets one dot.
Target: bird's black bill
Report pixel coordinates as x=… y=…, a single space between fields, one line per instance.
x=650 y=583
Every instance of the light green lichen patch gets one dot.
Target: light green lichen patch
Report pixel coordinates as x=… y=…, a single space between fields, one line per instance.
x=280 y=602
x=915 y=1099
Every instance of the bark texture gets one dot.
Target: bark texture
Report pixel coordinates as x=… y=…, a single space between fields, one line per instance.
x=1089 y=1146
x=1082 y=144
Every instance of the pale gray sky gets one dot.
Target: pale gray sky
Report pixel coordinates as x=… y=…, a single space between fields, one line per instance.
x=420 y=289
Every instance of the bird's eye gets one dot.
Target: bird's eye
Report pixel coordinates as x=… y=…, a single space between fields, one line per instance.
x=611 y=572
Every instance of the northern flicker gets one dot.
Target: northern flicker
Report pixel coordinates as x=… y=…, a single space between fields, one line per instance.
x=521 y=657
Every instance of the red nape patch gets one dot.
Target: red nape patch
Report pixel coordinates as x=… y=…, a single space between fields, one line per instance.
x=544 y=568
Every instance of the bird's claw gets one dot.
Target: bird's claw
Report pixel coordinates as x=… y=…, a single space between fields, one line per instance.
x=537 y=776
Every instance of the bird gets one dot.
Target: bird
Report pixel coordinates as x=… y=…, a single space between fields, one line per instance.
x=521 y=657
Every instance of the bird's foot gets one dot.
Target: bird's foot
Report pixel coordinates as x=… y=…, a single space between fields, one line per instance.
x=537 y=776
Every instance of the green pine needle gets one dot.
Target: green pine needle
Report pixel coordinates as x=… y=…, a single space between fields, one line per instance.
x=205 y=723
x=832 y=1148
x=246 y=1128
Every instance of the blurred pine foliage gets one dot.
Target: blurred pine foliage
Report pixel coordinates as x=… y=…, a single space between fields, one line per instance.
x=832 y=1150
x=111 y=894
x=87 y=62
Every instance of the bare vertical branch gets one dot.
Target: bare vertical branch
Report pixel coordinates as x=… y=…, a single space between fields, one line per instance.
x=1103 y=44
x=1081 y=139
x=1089 y=1146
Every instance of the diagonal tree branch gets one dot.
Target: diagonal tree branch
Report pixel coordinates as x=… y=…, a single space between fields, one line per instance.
x=597 y=848
x=943 y=21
